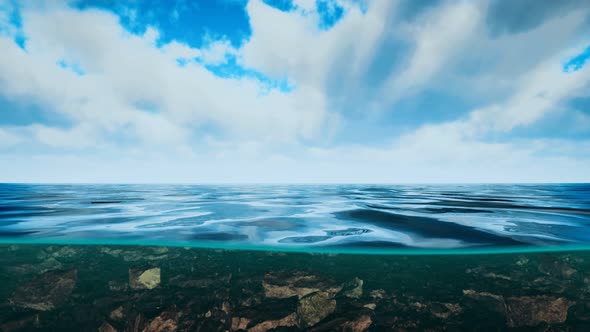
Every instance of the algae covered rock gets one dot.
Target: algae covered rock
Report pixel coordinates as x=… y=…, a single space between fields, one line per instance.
x=361 y=324
x=287 y=321
x=524 y=310
x=268 y=315
x=353 y=289
x=285 y=284
x=314 y=307
x=144 y=278
x=533 y=310
x=47 y=291
x=166 y=322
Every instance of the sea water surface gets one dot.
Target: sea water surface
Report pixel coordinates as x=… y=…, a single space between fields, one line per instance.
x=153 y=258
x=310 y=218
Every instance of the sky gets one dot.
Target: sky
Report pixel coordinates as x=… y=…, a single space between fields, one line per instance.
x=294 y=91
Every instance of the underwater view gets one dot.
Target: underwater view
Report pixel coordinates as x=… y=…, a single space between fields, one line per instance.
x=294 y=257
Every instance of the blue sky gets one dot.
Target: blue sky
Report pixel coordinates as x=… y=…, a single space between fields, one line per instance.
x=303 y=91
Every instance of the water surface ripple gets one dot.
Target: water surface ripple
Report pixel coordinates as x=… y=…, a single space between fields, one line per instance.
x=300 y=217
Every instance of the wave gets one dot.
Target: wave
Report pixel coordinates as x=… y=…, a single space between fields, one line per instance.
x=341 y=218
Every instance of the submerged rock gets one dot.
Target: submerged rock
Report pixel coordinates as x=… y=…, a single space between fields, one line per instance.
x=533 y=310
x=59 y=252
x=129 y=255
x=314 y=307
x=117 y=314
x=144 y=278
x=287 y=321
x=49 y=264
x=556 y=268
x=166 y=322
x=524 y=310
x=285 y=284
x=269 y=314
x=239 y=323
x=360 y=324
x=353 y=289
x=47 y=291
x=378 y=294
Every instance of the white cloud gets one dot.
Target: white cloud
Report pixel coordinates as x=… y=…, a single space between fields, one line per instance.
x=438 y=35
x=123 y=70
x=288 y=44
x=190 y=125
x=217 y=51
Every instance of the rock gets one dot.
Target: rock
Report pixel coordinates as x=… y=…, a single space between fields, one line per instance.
x=377 y=294
x=130 y=255
x=46 y=265
x=353 y=289
x=166 y=322
x=239 y=323
x=111 y=252
x=533 y=310
x=64 y=252
x=556 y=267
x=360 y=324
x=269 y=313
x=117 y=314
x=47 y=291
x=226 y=307
x=284 y=284
x=522 y=260
x=496 y=276
x=144 y=279
x=525 y=310
x=106 y=327
x=312 y=308
x=287 y=321
x=159 y=250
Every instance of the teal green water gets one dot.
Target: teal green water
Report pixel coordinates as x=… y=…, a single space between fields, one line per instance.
x=97 y=287
x=348 y=251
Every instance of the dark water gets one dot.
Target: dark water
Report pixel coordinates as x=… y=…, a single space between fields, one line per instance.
x=336 y=218
x=141 y=288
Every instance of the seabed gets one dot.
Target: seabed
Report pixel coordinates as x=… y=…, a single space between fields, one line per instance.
x=52 y=287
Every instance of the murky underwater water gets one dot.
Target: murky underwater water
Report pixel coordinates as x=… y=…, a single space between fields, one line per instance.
x=294 y=258
x=141 y=288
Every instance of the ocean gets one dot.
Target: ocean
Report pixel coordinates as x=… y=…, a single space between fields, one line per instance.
x=294 y=257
